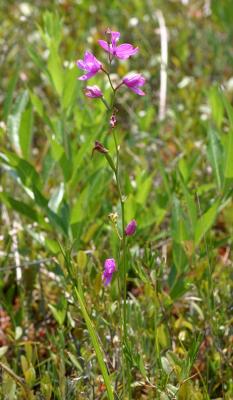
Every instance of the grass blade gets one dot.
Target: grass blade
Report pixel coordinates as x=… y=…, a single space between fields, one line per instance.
x=96 y=346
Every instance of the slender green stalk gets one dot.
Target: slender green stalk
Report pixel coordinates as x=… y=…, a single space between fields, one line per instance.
x=109 y=79
x=65 y=137
x=123 y=236
x=123 y=245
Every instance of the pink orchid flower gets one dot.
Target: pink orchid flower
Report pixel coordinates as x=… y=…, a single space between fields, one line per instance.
x=123 y=51
x=109 y=269
x=90 y=64
x=134 y=81
x=93 y=92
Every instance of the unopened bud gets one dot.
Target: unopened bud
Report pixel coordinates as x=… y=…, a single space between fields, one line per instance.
x=99 y=147
x=108 y=35
x=113 y=121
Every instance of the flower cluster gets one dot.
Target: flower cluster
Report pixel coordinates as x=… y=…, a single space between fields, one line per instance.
x=92 y=66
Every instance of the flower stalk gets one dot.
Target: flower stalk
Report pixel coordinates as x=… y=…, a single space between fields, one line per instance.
x=134 y=82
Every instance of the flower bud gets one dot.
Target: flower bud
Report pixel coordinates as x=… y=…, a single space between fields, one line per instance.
x=108 y=35
x=131 y=228
x=113 y=121
x=99 y=147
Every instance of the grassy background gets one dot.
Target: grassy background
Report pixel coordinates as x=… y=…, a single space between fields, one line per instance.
x=177 y=176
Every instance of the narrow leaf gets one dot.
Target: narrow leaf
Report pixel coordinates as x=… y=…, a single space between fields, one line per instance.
x=9 y=94
x=96 y=345
x=205 y=222
x=56 y=71
x=25 y=132
x=215 y=155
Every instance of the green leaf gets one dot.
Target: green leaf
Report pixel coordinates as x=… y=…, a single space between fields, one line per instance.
x=37 y=104
x=57 y=197
x=215 y=154
x=52 y=33
x=56 y=71
x=24 y=170
x=180 y=229
x=191 y=205
x=180 y=287
x=46 y=386
x=191 y=357
x=55 y=219
x=81 y=259
x=52 y=245
x=70 y=87
x=205 y=222
x=228 y=170
x=74 y=361
x=25 y=132
x=228 y=109
x=14 y=121
x=38 y=61
x=59 y=311
x=96 y=345
x=78 y=211
x=179 y=257
x=10 y=94
x=144 y=189
x=19 y=206
x=216 y=105
x=166 y=365
x=66 y=167
x=184 y=169
x=57 y=150
x=130 y=207
x=3 y=350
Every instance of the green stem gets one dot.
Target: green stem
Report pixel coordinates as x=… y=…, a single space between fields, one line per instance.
x=126 y=371
x=109 y=79
x=117 y=154
x=124 y=269
x=105 y=103
x=65 y=136
x=125 y=335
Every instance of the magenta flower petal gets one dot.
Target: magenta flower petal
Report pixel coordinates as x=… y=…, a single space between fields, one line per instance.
x=87 y=76
x=137 y=91
x=115 y=36
x=134 y=81
x=105 y=45
x=107 y=280
x=90 y=65
x=131 y=228
x=93 y=92
x=125 y=50
x=109 y=269
x=81 y=64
